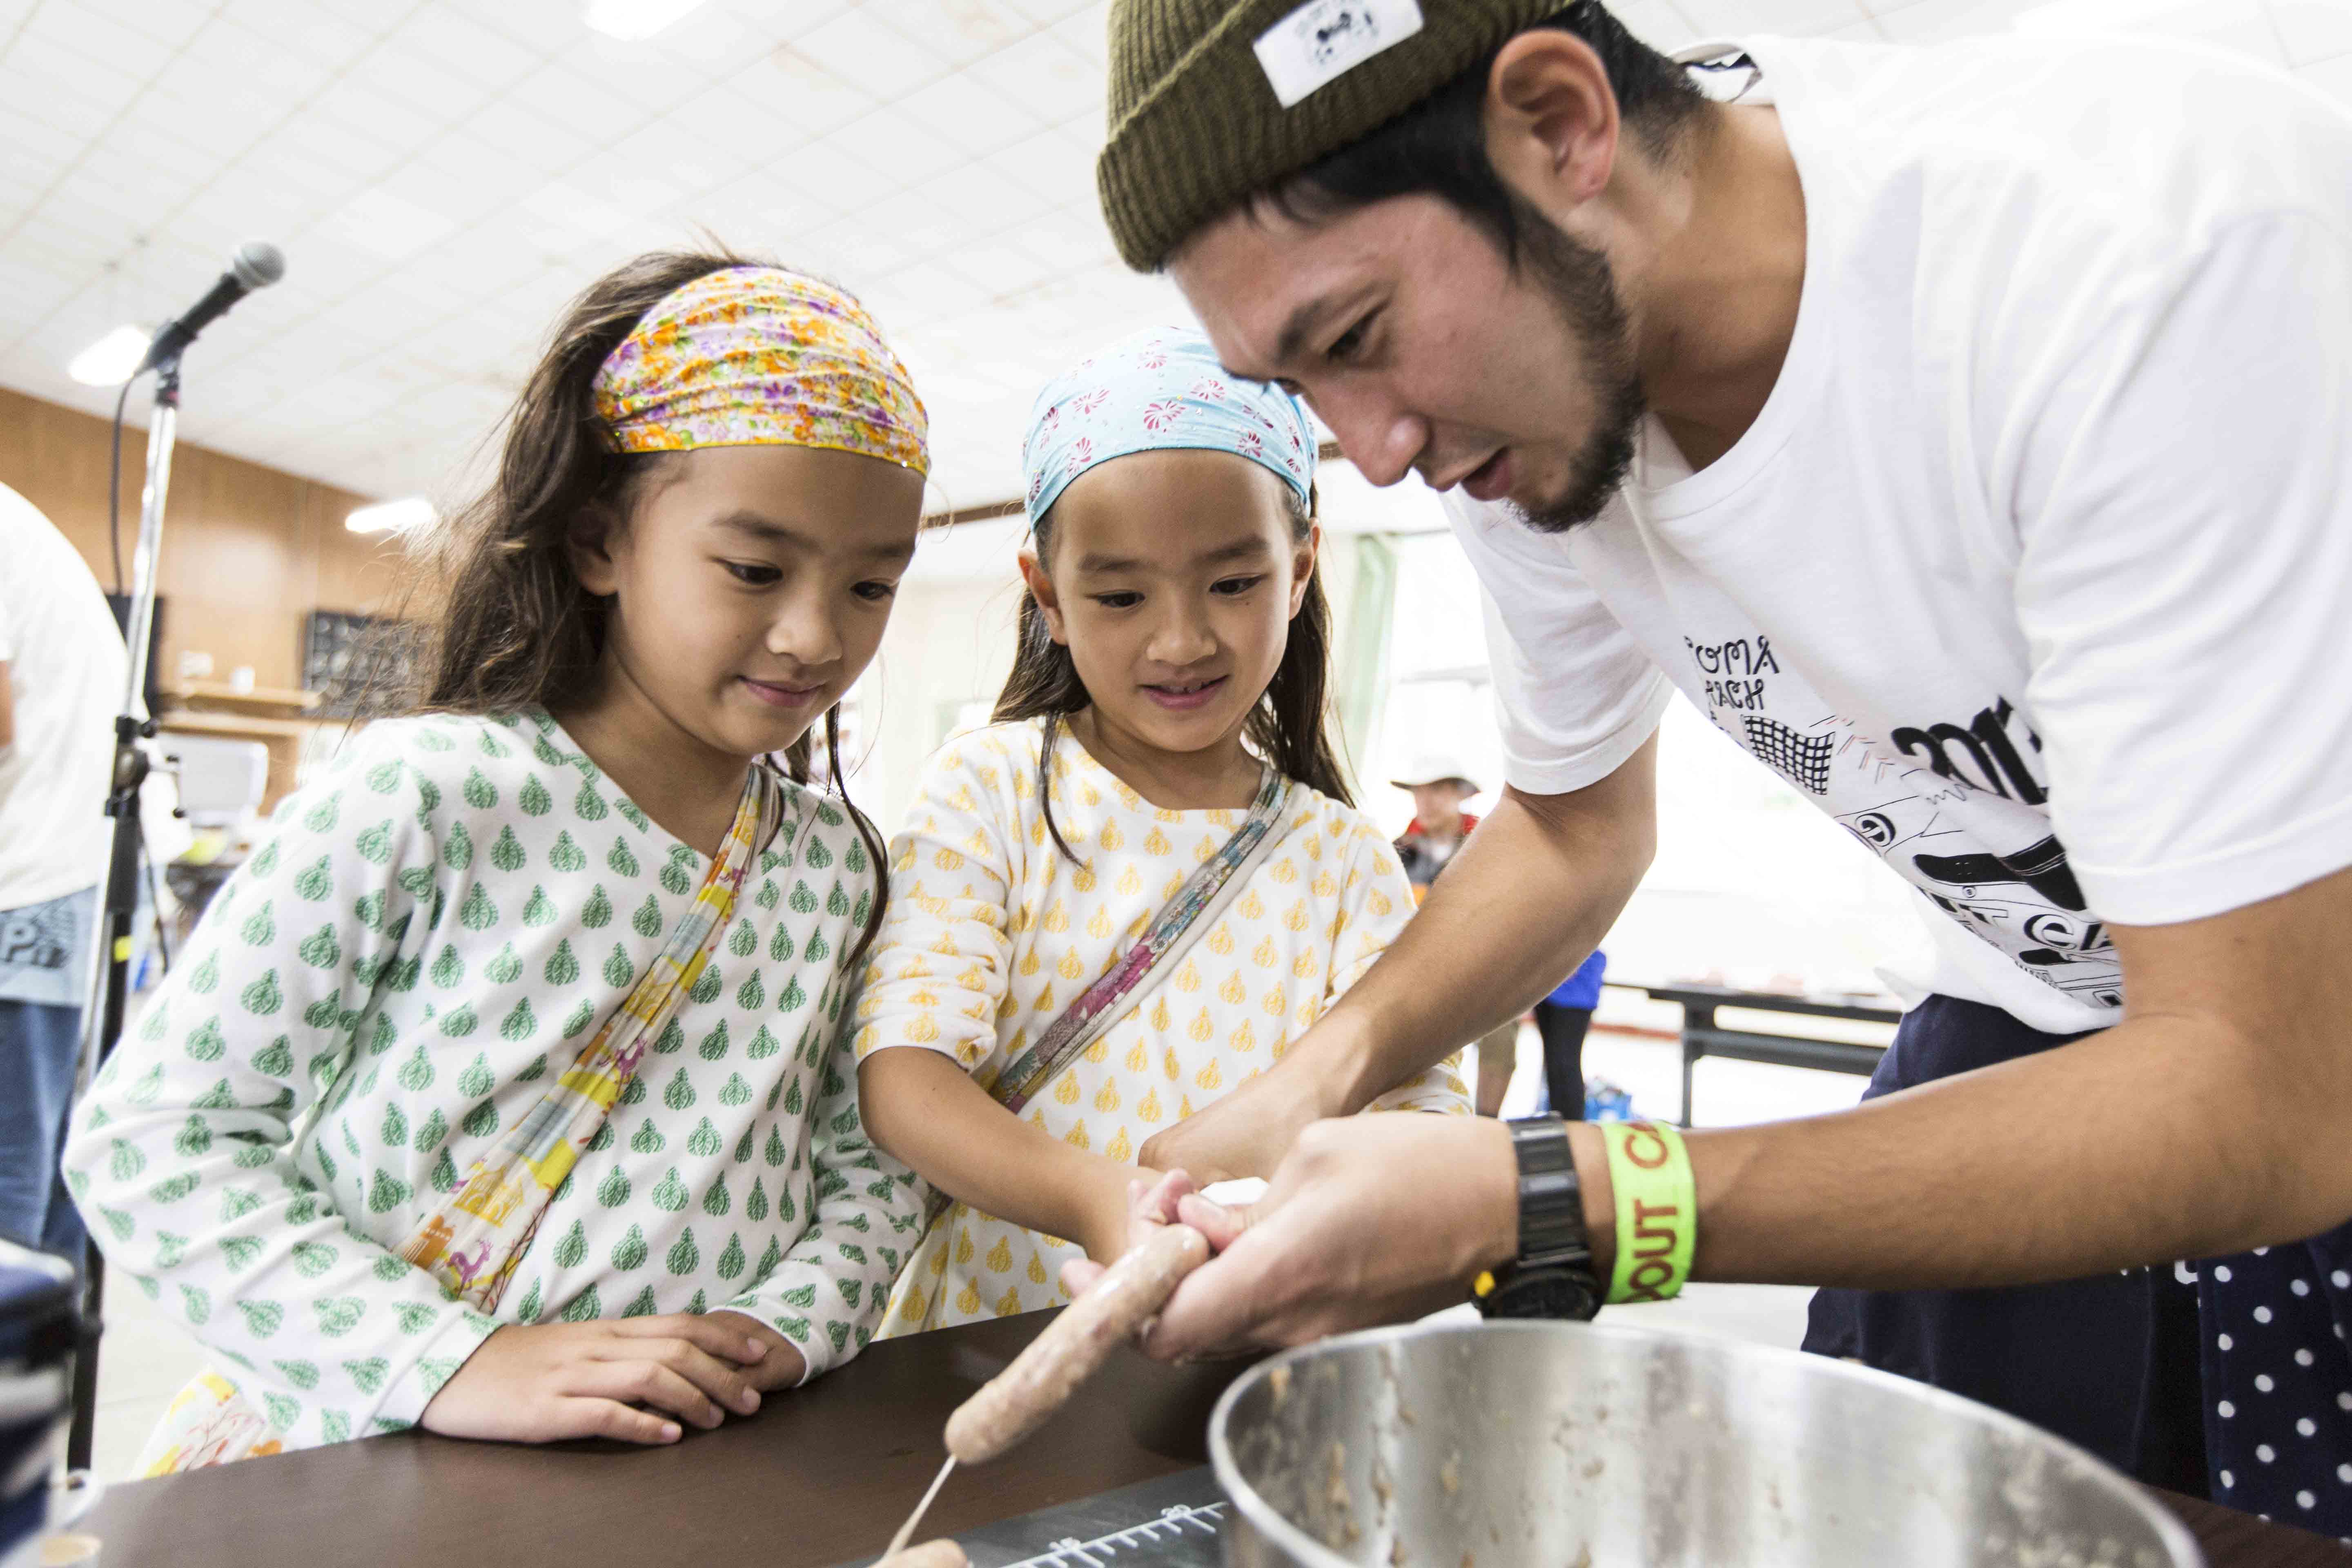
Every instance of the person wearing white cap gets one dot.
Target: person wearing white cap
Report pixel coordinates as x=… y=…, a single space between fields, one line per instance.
x=1440 y=781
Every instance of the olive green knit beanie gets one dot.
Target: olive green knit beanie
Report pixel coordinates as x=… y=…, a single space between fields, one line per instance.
x=1198 y=116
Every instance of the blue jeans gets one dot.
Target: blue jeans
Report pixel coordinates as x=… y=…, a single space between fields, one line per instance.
x=38 y=1043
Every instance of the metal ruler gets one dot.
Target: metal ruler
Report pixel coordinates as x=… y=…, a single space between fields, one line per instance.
x=1175 y=1521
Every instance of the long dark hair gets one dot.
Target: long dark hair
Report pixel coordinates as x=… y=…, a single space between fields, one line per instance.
x=1286 y=728
x=518 y=630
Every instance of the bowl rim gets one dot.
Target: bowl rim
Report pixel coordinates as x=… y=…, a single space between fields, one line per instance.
x=1263 y=1517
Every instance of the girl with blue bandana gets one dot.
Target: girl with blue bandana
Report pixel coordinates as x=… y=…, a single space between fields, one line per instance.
x=1133 y=890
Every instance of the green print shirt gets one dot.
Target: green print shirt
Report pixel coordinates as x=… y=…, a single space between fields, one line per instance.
x=427 y=933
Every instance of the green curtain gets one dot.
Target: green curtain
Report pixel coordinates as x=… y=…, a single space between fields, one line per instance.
x=1360 y=676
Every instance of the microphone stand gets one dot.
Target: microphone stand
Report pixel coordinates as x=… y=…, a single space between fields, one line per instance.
x=111 y=943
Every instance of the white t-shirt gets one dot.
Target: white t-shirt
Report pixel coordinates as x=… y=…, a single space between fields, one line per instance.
x=67 y=667
x=2035 y=571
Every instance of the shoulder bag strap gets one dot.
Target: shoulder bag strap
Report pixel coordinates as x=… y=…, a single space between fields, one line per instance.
x=473 y=1243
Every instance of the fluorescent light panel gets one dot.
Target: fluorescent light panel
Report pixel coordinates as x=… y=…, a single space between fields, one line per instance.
x=113 y=358
x=631 y=20
x=393 y=516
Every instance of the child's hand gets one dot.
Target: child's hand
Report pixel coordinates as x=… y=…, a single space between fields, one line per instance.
x=1149 y=1203
x=544 y=1382
x=783 y=1366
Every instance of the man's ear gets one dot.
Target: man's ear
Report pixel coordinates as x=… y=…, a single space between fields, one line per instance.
x=1551 y=121
x=1041 y=588
x=1302 y=567
x=588 y=545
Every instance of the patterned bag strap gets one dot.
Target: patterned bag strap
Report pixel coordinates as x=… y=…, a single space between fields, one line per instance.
x=473 y=1243
x=1182 y=921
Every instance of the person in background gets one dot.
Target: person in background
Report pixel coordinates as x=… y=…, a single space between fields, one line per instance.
x=62 y=672
x=1440 y=784
x=480 y=1101
x=1164 y=723
x=1561 y=1019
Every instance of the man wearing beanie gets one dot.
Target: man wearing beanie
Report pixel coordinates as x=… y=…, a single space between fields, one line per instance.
x=1968 y=432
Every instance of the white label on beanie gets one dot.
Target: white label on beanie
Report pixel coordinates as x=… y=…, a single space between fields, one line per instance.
x=1325 y=39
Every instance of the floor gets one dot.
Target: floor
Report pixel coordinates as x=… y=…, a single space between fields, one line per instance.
x=146 y=1357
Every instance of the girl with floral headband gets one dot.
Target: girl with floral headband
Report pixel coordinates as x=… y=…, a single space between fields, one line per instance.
x=501 y=1091
x=1130 y=892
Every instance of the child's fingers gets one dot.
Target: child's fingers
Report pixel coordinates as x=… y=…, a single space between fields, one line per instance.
x=611 y=1419
x=717 y=1378
x=1078 y=1276
x=720 y=1339
x=647 y=1383
x=1221 y=1225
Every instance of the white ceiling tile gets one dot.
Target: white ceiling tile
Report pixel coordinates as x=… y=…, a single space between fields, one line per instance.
x=629 y=92
x=227 y=58
x=868 y=53
x=835 y=169
x=428 y=94
x=381 y=223
x=904 y=150
x=766 y=209
x=1045 y=73
x=170 y=24
x=800 y=93
x=336 y=133
x=966 y=111
x=94 y=36
x=559 y=95
x=962 y=31
x=710 y=37
x=110 y=83
x=980 y=199
x=998 y=267
x=316 y=33
x=1061 y=161
x=1088 y=32
x=70 y=112
x=461 y=44
x=720 y=117
x=543 y=25
x=853 y=252
x=36 y=136
x=2314 y=30
x=1068 y=238
x=504 y=128
x=1047 y=11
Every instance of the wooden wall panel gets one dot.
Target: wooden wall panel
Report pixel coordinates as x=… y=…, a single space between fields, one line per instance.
x=248 y=551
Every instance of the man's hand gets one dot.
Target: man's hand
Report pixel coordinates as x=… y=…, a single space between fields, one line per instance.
x=544 y=1382
x=1372 y=1219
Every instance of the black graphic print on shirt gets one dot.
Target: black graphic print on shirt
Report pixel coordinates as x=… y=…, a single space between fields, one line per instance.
x=1959 y=810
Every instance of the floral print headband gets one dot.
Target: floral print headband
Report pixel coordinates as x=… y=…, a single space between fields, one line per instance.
x=1160 y=388
x=759 y=356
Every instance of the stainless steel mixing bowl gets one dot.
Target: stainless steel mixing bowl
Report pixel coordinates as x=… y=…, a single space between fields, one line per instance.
x=1517 y=1445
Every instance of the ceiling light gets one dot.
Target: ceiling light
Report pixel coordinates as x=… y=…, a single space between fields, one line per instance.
x=634 y=19
x=393 y=516
x=113 y=358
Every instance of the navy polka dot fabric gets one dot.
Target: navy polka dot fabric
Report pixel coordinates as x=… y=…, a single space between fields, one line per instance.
x=2278 y=1381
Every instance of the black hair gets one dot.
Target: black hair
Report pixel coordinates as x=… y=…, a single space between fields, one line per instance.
x=1286 y=728
x=1438 y=147
x=516 y=628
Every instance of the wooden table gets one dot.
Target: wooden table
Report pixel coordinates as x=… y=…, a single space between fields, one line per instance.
x=1702 y=1036
x=821 y=1476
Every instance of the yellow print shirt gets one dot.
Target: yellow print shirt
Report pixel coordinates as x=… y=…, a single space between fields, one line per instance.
x=993 y=933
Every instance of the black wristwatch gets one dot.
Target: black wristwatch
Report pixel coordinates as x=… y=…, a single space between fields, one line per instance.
x=1552 y=1276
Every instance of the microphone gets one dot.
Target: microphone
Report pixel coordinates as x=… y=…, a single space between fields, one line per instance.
x=256 y=265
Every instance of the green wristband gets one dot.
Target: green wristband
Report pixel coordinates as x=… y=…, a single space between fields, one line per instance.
x=1657 y=1210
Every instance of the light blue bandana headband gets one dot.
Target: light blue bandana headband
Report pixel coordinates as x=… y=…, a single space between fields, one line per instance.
x=1160 y=389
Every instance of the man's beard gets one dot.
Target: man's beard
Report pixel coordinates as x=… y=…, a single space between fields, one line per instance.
x=1578 y=279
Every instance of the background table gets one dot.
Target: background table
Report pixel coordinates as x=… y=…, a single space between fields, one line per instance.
x=1702 y=1036
x=818 y=1477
